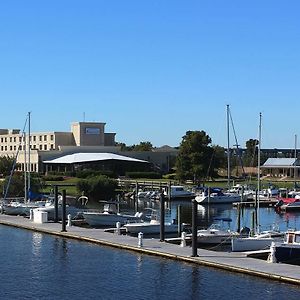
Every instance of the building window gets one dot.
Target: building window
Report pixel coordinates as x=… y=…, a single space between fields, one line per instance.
x=45 y=147
x=40 y=138
x=41 y=147
x=15 y=139
x=1 y=148
x=10 y=139
x=1 y=140
x=52 y=137
x=5 y=148
x=15 y=148
x=34 y=138
x=10 y=148
x=5 y=140
x=45 y=138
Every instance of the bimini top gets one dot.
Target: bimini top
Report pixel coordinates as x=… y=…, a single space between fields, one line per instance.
x=90 y=157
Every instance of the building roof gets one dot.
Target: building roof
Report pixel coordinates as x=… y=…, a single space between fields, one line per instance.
x=280 y=162
x=90 y=157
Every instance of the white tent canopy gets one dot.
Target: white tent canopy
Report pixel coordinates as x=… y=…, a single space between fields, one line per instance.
x=91 y=157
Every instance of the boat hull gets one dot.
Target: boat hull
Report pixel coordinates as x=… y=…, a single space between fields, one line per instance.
x=148 y=228
x=289 y=254
x=106 y=219
x=218 y=199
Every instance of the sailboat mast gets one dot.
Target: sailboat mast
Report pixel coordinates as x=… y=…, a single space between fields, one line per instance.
x=228 y=150
x=258 y=172
x=29 y=163
x=25 y=166
x=295 y=167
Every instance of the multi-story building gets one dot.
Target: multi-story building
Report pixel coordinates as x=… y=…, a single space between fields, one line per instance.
x=84 y=136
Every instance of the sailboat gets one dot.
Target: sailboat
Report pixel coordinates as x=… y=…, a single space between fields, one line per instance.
x=260 y=240
x=216 y=195
x=21 y=207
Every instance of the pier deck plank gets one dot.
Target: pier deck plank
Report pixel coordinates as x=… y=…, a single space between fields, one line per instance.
x=231 y=261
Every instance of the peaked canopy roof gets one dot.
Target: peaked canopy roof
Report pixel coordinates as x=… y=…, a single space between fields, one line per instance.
x=90 y=157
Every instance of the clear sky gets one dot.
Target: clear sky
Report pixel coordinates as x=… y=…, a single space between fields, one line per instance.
x=152 y=70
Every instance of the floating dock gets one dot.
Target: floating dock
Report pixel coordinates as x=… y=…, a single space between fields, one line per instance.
x=229 y=261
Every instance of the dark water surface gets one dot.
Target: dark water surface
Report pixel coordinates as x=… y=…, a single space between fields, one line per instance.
x=40 y=266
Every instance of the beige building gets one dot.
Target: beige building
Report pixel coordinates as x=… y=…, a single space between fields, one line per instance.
x=84 y=136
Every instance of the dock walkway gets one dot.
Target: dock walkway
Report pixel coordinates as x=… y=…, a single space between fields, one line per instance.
x=230 y=261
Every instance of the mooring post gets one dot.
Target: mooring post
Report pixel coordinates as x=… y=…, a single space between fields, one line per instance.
x=55 y=203
x=179 y=229
x=194 y=228
x=63 y=218
x=162 y=217
x=238 y=217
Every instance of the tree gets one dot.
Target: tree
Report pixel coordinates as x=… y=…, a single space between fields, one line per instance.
x=218 y=160
x=194 y=156
x=97 y=187
x=251 y=152
x=143 y=146
x=6 y=164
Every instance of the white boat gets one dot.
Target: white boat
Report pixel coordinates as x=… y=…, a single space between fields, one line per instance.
x=20 y=208
x=152 y=227
x=109 y=217
x=215 y=195
x=215 y=233
x=179 y=192
x=260 y=241
x=289 y=250
x=244 y=191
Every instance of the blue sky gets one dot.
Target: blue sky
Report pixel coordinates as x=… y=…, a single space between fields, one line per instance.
x=152 y=70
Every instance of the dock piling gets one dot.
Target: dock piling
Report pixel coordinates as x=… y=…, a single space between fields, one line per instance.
x=63 y=218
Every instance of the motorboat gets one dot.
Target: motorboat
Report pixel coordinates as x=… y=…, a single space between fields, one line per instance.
x=152 y=227
x=289 y=250
x=259 y=241
x=109 y=217
x=179 y=192
x=216 y=195
x=243 y=190
x=291 y=202
x=216 y=233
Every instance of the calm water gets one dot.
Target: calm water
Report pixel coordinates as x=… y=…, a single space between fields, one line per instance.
x=206 y=214
x=40 y=266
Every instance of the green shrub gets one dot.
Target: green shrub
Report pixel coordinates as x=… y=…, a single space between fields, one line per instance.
x=97 y=188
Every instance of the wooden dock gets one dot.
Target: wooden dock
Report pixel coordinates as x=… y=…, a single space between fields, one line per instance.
x=229 y=261
x=262 y=203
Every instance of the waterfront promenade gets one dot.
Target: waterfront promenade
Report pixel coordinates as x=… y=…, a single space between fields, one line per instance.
x=230 y=261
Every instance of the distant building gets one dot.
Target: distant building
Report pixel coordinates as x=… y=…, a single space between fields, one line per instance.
x=281 y=167
x=45 y=145
x=84 y=137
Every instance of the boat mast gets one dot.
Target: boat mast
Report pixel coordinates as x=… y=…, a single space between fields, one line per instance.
x=258 y=171
x=29 y=163
x=228 y=150
x=25 y=166
x=295 y=167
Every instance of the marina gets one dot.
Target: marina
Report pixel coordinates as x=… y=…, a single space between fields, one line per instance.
x=234 y=262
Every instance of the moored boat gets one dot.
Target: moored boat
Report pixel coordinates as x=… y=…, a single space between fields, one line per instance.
x=109 y=217
x=289 y=250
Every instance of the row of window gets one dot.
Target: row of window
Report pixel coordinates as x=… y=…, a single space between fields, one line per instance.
x=33 y=138
x=14 y=148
